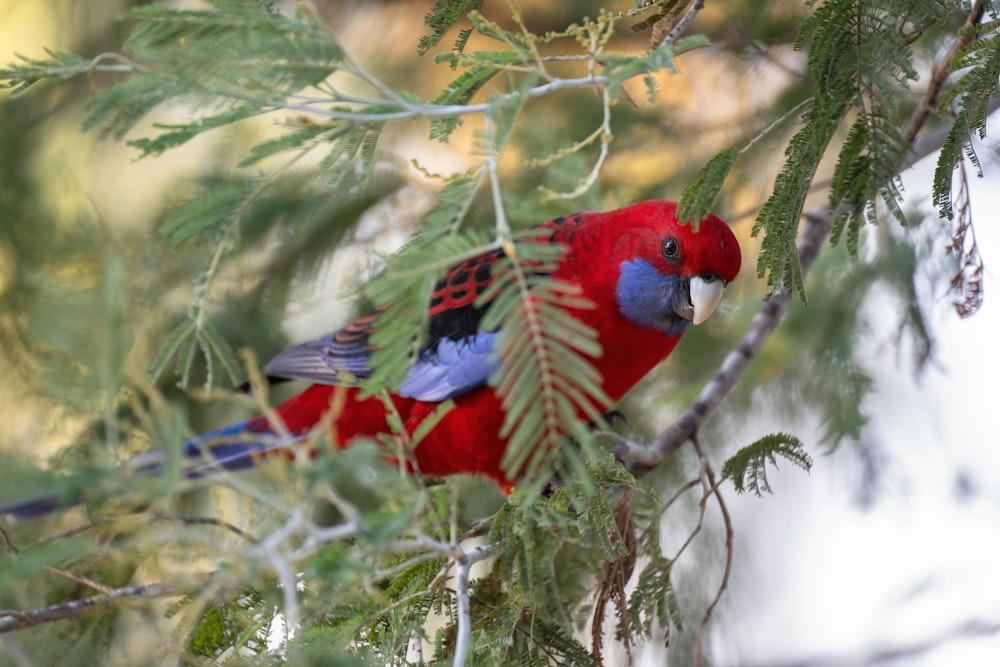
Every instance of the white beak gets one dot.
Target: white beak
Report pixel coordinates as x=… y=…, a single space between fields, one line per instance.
x=706 y=292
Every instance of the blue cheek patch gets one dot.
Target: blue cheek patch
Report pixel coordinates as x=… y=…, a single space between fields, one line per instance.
x=647 y=297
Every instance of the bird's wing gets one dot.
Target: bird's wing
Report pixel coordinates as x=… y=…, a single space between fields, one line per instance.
x=340 y=358
x=457 y=357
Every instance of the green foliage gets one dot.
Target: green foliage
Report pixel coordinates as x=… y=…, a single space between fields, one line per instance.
x=444 y=15
x=858 y=59
x=30 y=71
x=973 y=92
x=747 y=468
x=653 y=603
x=356 y=553
x=550 y=548
x=240 y=623
x=236 y=60
x=701 y=193
x=540 y=347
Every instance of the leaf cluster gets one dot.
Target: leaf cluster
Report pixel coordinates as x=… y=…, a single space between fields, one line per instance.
x=747 y=468
x=970 y=98
x=860 y=64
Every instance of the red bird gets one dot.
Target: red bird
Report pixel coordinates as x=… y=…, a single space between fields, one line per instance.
x=648 y=275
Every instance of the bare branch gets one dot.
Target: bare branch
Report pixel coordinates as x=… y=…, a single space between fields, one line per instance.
x=682 y=24
x=463 y=602
x=727 y=522
x=18 y=620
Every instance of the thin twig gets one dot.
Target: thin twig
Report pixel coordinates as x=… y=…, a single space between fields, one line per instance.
x=682 y=25
x=18 y=620
x=492 y=169
x=204 y=521
x=728 y=523
x=7 y=543
x=603 y=134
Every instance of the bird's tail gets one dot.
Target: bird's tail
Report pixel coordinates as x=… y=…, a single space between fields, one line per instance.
x=232 y=448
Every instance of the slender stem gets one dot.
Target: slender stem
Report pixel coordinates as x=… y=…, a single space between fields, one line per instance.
x=682 y=25
x=463 y=637
x=500 y=215
x=728 y=523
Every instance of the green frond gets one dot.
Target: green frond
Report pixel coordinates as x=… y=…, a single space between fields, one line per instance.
x=618 y=69
x=702 y=192
x=973 y=92
x=654 y=599
x=352 y=151
x=859 y=59
x=747 y=468
x=522 y=44
x=866 y=172
x=28 y=71
x=181 y=334
x=544 y=382
x=216 y=347
x=441 y=18
x=480 y=68
x=454 y=202
x=188 y=339
x=175 y=135
x=298 y=135
x=203 y=217
x=550 y=545
x=237 y=59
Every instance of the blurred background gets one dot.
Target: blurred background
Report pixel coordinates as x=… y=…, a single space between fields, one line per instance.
x=884 y=554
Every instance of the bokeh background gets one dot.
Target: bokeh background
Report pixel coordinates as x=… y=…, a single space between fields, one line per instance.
x=885 y=554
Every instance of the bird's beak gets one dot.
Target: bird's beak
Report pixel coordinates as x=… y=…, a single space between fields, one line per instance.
x=706 y=292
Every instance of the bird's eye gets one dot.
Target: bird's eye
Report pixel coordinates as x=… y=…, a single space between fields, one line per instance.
x=671 y=247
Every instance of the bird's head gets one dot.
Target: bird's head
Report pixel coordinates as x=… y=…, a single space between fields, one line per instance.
x=670 y=275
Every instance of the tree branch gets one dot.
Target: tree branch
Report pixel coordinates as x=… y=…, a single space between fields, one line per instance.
x=639 y=459
x=683 y=23
x=18 y=620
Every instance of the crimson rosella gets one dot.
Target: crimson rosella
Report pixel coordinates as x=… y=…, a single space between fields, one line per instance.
x=647 y=275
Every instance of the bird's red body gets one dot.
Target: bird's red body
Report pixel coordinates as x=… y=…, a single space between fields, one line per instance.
x=646 y=275
x=467 y=439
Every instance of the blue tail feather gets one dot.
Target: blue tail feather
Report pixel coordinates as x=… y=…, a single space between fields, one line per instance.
x=231 y=448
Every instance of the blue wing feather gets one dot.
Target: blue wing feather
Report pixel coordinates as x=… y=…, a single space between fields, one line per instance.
x=451 y=368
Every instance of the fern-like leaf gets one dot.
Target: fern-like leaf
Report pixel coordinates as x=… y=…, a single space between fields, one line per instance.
x=543 y=380
x=701 y=193
x=442 y=17
x=974 y=91
x=747 y=468
x=654 y=599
